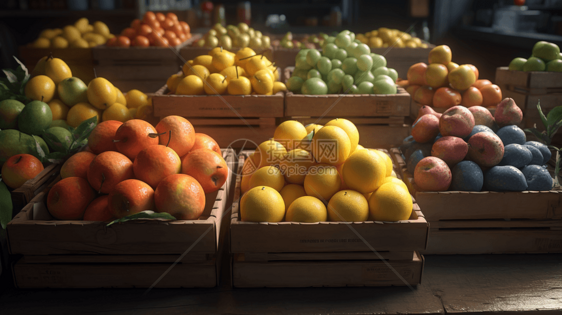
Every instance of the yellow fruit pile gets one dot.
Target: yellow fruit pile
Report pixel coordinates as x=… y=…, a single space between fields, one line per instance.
x=80 y=35
x=72 y=101
x=223 y=72
x=319 y=173
x=384 y=37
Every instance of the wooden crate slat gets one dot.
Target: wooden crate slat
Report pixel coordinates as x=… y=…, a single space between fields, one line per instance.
x=23 y=195
x=98 y=259
x=328 y=256
x=305 y=120
x=503 y=224
x=232 y=121
x=533 y=79
x=136 y=73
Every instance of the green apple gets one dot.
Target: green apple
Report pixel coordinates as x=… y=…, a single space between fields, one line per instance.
x=362 y=76
x=301 y=73
x=313 y=73
x=361 y=50
x=9 y=112
x=393 y=74
x=554 y=65
x=232 y=31
x=330 y=39
x=255 y=43
x=353 y=89
x=341 y=54
x=72 y=91
x=333 y=87
x=546 y=51
x=265 y=41
x=294 y=84
x=378 y=61
x=347 y=81
x=349 y=49
x=225 y=42
x=336 y=75
x=364 y=62
x=342 y=40
x=300 y=62
x=385 y=78
x=380 y=70
x=211 y=33
x=384 y=87
x=517 y=64
x=201 y=42
x=258 y=34
x=312 y=57
x=330 y=50
x=251 y=32
x=534 y=64
x=324 y=65
x=365 y=88
x=243 y=27
x=242 y=40
x=349 y=66
x=314 y=86
x=336 y=64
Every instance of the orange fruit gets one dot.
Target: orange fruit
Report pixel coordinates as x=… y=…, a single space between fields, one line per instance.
x=101 y=138
x=203 y=141
x=446 y=97
x=181 y=131
x=98 y=210
x=491 y=95
x=136 y=24
x=144 y=30
x=472 y=97
x=68 y=198
x=160 y=17
x=206 y=166
x=129 y=197
x=172 y=16
x=181 y=196
x=441 y=54
x=479 y=84
x=155 y=163
x=133 y=136
x=149 y=16
x=20 y=168
x=424 y=95
x=108 y=169
x=141 y=41
x=129 y=32
x=77 y=165
x=123 y=41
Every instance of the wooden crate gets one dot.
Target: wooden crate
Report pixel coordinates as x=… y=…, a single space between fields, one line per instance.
x=237 y=121
x=86 y=254
x=80 y=60
x=144 y=69
x=292 y=254
x=489 y=222
x=23 y=195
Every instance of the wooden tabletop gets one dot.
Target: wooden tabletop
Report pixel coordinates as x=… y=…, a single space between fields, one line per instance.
x=507 y=284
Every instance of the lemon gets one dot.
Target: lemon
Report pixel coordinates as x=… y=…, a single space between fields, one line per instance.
x=290 y=193
x=256 y=64
x=241 y=54
x=190 y=85
x=278 y=87
x=71 y=33
x=57 y=31
x=312 y=127
x=79 y=43
x=101 y=28
x=387 y=160
x=239 y=86
x=364 y=171
x=101 y=93
x=348 y=206
x=331 y=145
x=262 y=204
x=117 y=112
x=144 y=112
x=349 y=129
x=173 y=82
x=40 y=88
x=290 y=133
x=268 y=176
x=59 y=109
x=132 y=111
x=90 y=28
x=42 y=42
x=120 y=97
x=136 y=99
x=245 y=185
x=270 y=152
x=98 y=39
x=391 y=202
x=295 y=165
x=59 y=42
x=57 y=70
x=48 y=34
x=322 y=181
x=395 y=180
x=80 y=112
x=262 y=83
x=306 y=209
x=215 y=84
x=197 y=70
x=222 y=60
x=359 y=147
x=375 y=42
x=203 y=60
x=110 y=36
x=340 y=173
x=230 y=72
x=82 y=25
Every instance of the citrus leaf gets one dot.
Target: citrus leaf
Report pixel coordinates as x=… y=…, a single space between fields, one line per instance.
x=12 y=78
x=554 y=116
x=147 y=214
x=6 y=206
x=542 y=116
x=56 y=157
x=84 y=129
x=39 y=151
x=23 y=68
x=541 y=136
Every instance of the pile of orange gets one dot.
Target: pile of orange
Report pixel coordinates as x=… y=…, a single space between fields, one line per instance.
x=133 y=166
x=155 y=29
x=444 y=84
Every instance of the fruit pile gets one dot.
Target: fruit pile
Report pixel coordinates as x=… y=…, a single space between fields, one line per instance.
x=240 y=36
x=292 y=177
x=155 y=29
x=71 y=101
x=133 y=166
x=80 y=35
x=344 y=65
x=223 y=72
x=546 y=57
x=310 y=41
x=468 y=149
x=384 y=37
x=444 y=84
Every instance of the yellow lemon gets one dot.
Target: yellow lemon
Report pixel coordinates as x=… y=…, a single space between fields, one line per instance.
x=42 y=42
x=239 y=86
x=222 y=60
x=306 y=209
x=245 y=185
x=310 y=127
x=203 y=60
x=120 y=97
x=241 y=54
x=215 y=84
x=358 y=148
x=364 y=171
x=262 y=83
x=348 y=206
x=57 y=70
x=57 y=31
x=322 y=181
x=331 y=145
x=349 y=129
x=375 y=42
x=101 y=93
x=79 y=43
x=133 y=111
x=80 y=112
x=71 y=33
x=173 y=82
x=387 y=160
x=271 y=152
x=144 y=112
x=262 y=204
x=101 y=28
x=230 y=72
x=197 y=70
x=394 y=180
x=59 y=109
x=295 y=165
x=59 y=42
x=82 y=25
x=40 y=88
x=256 y=64
x=290 y=133
x=90 y=28
x=48 y=34
x=136 y=98
x=269 y=176
x=290 y=193
x=98 y=39
x=340 y=173
x=391 y=202
x=117 y=112
x=190 y=85
x=279 y=87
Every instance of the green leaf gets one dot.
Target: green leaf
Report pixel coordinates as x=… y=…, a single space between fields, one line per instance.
x=12 y=78
x=542 y=116
x=23 y=68
x=54 y=143
x=84 y=129
x=56 y=157
x=554 y=116
x=39 y=151
x=5 y=205
x=541 y=136
x=147 y=214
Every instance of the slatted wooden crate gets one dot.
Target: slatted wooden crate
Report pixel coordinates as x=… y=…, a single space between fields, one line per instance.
x=80 y=60
x=237 y=121
x=331 y=254
x=489 y=222
x=380 y=119
x=134 y=254
x=23 y=195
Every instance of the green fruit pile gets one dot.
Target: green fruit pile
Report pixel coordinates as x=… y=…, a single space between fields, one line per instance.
x=241 y=36
x=546 y=57
x=344 y=65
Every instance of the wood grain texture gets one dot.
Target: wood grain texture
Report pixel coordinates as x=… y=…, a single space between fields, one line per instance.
x=23 y=195
x=533 y=79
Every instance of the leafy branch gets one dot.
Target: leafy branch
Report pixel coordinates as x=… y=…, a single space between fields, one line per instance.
x=12 y=87
x=147 y=214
